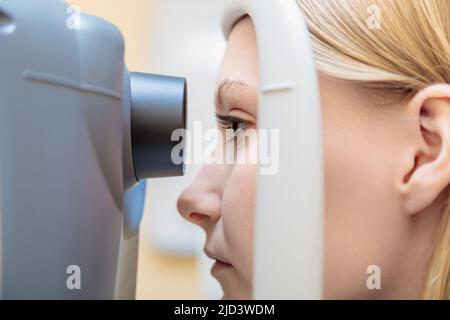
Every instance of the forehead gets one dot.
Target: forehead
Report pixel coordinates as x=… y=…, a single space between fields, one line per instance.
x=240 y=61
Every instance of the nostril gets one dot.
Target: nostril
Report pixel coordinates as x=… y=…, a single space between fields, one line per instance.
x=197 y=217
x=7 y=25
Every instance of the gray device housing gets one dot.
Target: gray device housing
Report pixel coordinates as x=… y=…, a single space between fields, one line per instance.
x=76 y=131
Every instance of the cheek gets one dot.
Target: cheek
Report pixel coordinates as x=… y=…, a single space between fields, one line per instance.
x=238 y=211
x=360 y=219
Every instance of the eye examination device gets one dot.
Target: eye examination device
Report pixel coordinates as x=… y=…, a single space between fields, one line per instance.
x=79 y=134
x=77 y=131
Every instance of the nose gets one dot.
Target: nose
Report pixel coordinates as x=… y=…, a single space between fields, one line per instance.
x=200 y=202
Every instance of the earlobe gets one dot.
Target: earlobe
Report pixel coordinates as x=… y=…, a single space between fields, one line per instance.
x=430 y=174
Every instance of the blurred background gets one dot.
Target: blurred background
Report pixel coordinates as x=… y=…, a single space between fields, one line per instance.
x=181 y=38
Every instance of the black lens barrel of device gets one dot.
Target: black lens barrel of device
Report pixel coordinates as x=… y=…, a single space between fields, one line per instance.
x=158 y=108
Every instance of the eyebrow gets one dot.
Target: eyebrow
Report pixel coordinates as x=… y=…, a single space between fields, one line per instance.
x=223 y=90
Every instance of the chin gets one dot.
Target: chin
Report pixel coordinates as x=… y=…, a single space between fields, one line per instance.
x=235 y=295
x=227 y=295
x=230 y=297
x=233 y=288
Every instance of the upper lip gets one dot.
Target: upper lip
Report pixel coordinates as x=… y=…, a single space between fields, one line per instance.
x=214 y=256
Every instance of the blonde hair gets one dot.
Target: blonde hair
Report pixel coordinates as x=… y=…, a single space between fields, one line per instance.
x=407 y=49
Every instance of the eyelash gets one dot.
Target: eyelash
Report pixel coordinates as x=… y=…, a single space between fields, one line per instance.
x=233 y=123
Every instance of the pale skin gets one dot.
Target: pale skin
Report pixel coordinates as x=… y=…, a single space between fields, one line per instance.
x=387 y=169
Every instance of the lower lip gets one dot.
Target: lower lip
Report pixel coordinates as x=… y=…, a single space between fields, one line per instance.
x=219 y=266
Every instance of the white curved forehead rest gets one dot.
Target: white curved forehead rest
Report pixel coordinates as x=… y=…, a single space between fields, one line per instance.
x=288 y=231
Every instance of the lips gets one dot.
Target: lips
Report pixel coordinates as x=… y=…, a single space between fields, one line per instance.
x=216 y=257
x=221 y=264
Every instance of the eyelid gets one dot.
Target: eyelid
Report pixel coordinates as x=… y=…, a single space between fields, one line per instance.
x=228 y=118
x=238 y=115
x=227 y=121
x=243 y=115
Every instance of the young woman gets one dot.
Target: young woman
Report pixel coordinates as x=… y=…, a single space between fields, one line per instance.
x=386 y=127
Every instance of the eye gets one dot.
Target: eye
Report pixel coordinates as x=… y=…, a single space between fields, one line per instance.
x=236 y=124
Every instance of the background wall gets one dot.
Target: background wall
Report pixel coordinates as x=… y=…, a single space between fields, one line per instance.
x=132 y=18
x=182 y=38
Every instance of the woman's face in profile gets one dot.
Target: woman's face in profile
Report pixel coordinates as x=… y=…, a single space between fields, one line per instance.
x=222 y=197
x=362 y=227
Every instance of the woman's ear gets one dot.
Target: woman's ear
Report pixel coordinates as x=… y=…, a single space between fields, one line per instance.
x=429 y=167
